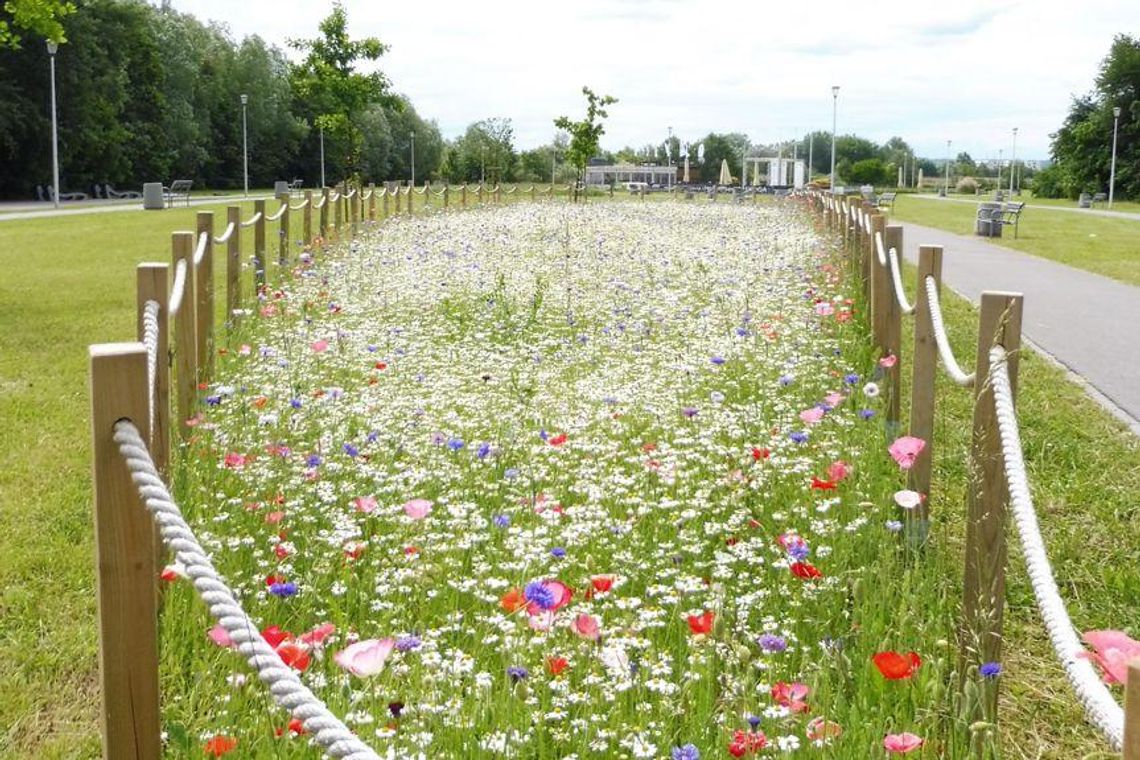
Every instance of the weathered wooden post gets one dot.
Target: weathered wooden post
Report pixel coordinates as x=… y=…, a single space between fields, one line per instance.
x=446 y=193
x=427 y=194
x=259 y=244
x=283 y=232
x=878 y=280
x=182 y=309
x=892 y=322
x=397 y=200
x=372 y=201
x=233 y=263
x=153 y=284
x=463 y=195
x=1132 y=712
x=924 y=367
x=204 y=289
x=353 y=210
x=479 y=194
x=386 y=198
x=987 y=494
x=324 y=222
x=498 y=194
x=125 y=560
x=338 y=210
x=307 y=218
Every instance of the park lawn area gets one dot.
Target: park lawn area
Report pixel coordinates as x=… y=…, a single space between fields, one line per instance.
x=69 y=282
x=1105 y=245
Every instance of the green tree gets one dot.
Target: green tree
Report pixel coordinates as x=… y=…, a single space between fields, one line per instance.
x=585 y=134
x=331 y=94
x=42 y=18
x=869 y=171
x=721 y=147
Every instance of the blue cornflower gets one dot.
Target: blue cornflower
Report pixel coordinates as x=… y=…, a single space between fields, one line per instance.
x=511 y=473
x=213 y=400
x=543 y=434
x=408 y=643
x=517 y=673
x=455 y=444
x=770 y=643
x=501 y=521
x=558 y=552
x=742 y=332
x=313 y=460
x=717 y=360
x=990 y=670
x=894 y=526
x=799 y=436
x=686 y=752
x=786 y=380
x=690 y=412
x=754 y=721
x=799 y=551
x=866 y=413
x=285 y=589
x=539 y=594
x=483 y=450
x=296 y=403
x=351 y=450
x=373 y=436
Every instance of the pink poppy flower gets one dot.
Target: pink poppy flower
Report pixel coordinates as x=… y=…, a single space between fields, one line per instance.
x=218 y=635
x=791 y=695
x=812 y=416
x=320 y=346
x=834 y=399
x=542 y=622
x=900 y=744
x=906 y=449
x=587 y=627
x=908 y=499
x=838 y=470
x=234 y=461
x=365 y=658
x=365 y=504
x=317 y=636
x=1114 y=650
x=561 y=592
x=821 y=729
x=888 y=361
x=824 y=309
x=245 y=349
x=417 y=509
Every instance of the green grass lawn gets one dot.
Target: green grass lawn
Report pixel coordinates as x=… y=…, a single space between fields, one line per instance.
x=69 y=282
x=1105 y=245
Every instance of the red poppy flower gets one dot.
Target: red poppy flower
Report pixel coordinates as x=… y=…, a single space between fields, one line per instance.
x=558 y=440
x=805 y=570
x=822 y=485
x=380 y=366
x=274 y=636
x=513 y=601
x=602 y=583
x=281 y=551
x=758 y=454
x=294 y=655
x=556 y=665
x=895 y=666
x=220 y=745
x=702 y=624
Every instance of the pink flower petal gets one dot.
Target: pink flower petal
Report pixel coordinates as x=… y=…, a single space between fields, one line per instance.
x=812 y=416
x=906 y=449
x=365 y=658
x=586 y=626
x=320 y=346
x=908 y=499
x=218 y=635
x=365 y=504
x=417 y=509
x=900 y=744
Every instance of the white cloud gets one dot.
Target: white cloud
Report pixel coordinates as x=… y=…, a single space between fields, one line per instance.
x=967 y=71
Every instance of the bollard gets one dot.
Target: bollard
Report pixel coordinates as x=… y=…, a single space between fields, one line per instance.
x=124 y=559
x=204 y=289
x=987 y=496
x=353 y=211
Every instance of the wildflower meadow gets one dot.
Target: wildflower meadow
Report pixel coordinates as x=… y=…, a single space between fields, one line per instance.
x=546 y=481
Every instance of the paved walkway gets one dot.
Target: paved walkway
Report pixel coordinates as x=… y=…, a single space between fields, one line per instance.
x=12 y=211
x=1084 y=321
x=975 y=200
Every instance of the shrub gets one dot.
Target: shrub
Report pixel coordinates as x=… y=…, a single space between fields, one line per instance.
x=967 y=186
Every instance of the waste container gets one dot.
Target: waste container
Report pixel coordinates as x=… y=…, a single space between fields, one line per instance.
x=1085 y=201
x=152 y=196
x=988 y=223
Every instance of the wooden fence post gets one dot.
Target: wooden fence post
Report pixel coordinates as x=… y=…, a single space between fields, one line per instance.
x=463 y=195
x=125 y=560
x=396 y=199
x=372 y=201
x=324 y=222
x=387 y=199
x=924 y=367
x=233 y=263
x=1132 y=712
x=427 y=194
x=153 y=282
x=338 y=216
x=892 y=322
x=204 y=289
x=259 y=245
x=987 y=495
x=283 y=232
x=307 y=218
x=354 y=210
x=479 y=194
x=182 y=245
x=446 y=193
x=879 y=285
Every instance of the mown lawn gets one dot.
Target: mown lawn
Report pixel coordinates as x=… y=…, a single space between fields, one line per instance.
x=1105 y=245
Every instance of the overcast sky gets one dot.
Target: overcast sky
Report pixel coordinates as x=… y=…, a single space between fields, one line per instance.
x=963 y=70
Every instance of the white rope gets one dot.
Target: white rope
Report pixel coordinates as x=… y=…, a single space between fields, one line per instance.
x=279 y=214
x=300 y=205
x=1101 y=707
x=178 y=289
x=225 y=236
x=879 y=252
x=253 y=220
x=351 y=194
x=286 y=688
x=320 y=204
x=334 y=196
x=896 y=277
x=150 y=340
x=367 y=195
x=200 y=251
x=944 y=351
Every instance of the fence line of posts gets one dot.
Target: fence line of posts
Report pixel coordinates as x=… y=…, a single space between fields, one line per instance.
x=876 y=247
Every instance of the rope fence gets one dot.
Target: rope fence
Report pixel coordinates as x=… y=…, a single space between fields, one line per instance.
x=997 y=472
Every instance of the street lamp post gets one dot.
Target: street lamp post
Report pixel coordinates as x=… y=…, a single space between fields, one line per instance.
x=413 y=159
x=244 y=144
x=1001 y=157
x=52 y=48
x=483 y=165
x=811 y=151
x=553 y=161
x=1012 y=163
x=834 y=110
x=1112 y=172
x=323 y=185
x=947 y=190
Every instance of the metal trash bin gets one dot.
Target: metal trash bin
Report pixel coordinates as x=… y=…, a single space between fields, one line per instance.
x=152 y=196
x=988 y=222
x=1085 y=201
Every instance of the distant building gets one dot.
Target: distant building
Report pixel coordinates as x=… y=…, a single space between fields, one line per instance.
x=650 y=174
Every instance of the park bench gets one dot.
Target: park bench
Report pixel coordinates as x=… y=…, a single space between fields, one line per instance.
x=113 y=194
x=1099 y=198
x=295 y=186
x=179 y=190
x=1011 y=214
x=886 y=200
x=65 y=196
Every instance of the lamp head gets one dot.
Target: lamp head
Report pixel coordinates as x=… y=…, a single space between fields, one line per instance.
x=245 y=100
x=835 y=91
x=1116 y=112
x=53 y=47
x=1015 y=130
